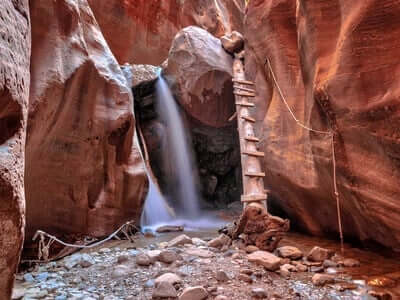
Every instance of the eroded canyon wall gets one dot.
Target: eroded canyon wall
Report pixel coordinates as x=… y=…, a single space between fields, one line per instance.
x=141 y=31
x=84 y=170
x=15 y=43
x=337 y=65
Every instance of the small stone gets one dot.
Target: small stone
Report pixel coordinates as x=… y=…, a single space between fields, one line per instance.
x=251 y=249
x=120 y=271
x=194 y=293
x=329 y=263
x=322 y=279
x=222 y=276
x=351 y=263
x=164 y=290
x=198 y=242
x=246 y=271
x=105 y=250
x=169 y=228
x=122 y=258
x=18 y=292
x=199 y=253
x=266 y=259
x=143 y=260
x=168 y=277
x=316 y=269
x=180 y=241
x=289 y=252
x=318 y=254
x=29 y=278
x=149 y=283
x=301 y=268
x=245 y=278
x=220 y=241
x=221 y=297
x=168 y=256
x=154 y=255
x=286 y=269
x=259 y=293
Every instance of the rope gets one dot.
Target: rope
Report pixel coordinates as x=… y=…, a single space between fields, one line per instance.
x=331 y=133
x=44 y=249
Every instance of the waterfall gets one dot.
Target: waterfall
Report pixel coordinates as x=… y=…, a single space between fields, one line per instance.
x=177 y=155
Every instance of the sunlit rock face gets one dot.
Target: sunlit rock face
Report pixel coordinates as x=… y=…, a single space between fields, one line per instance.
x=141 y=31
x=336 y=63
x=15 y=43
x=84 y=169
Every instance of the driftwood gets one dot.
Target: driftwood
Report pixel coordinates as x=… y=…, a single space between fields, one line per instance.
x=255 y=225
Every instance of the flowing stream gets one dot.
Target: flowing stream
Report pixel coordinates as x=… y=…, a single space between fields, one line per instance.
x=177 y=155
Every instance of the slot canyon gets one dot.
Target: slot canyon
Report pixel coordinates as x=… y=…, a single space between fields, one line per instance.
x=199 y=149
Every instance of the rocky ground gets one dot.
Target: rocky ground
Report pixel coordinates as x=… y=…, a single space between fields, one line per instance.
x=192 y=268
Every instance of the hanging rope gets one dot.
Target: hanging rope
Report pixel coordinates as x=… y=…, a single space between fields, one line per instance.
x=44 y=248
x=330 y=133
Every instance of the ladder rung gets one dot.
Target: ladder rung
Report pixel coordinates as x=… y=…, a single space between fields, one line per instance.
x=244 y=89
x=243 y=81
x=244 y=94
x=254 y=153
x=253 y=198
x=250 y=119
x=251 y=138
x=255 y=174
x=248 y=104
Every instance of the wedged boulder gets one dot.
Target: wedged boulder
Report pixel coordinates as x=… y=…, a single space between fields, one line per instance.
x=334 y=62
x=15 y=46
x=200 y=72
x=83 y=162
x=141 y=31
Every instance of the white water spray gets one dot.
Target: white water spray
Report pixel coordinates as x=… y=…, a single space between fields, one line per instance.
x=177 y=154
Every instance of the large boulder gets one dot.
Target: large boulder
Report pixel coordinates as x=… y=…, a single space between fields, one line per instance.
x=141 y=31
x=15 y=44
x=200 y=72
x=335 y=64
x=84 y=168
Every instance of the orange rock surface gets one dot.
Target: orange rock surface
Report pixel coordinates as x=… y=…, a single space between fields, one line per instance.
x=141 y=31
x=84 y=170
x=15 y=43
x=336 y=63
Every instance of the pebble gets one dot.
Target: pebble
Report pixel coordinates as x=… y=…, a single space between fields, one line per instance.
x=222 y=276
x=180 y=241
x=219 y=241
x=120 y=271
x=318 y=254
x=168 y=256
x=266 y=259
x=168 y=277
x=245 y=278
x=289 y=252
x=194 y=293
x=259 y=293
x=251 y=249
x=322 y=279
x=351 y=263
x=143 y=259
x=221 y=297
x=164 y=290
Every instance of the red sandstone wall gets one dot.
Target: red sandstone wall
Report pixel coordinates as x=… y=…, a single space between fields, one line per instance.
x=336 y=62
x=84 y=172
x=15 y=43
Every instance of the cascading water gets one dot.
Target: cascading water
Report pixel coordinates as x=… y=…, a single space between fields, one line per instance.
x=177 y=154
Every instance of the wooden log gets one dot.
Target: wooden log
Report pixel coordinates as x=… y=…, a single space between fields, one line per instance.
x=247 y=104
x=255 y=174
x=244 y=89
x=254 y=153
x=251 y=138
x=254 y=198
x=249 y=119
x=241 y=81
x=244 y=94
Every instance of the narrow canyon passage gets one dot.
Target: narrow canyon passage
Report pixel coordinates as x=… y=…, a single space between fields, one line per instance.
x=212 y=149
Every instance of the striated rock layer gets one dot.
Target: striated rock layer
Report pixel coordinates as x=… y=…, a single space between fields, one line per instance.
x=141 y=31
x=84 y=170
x=336 y=63
x=15 y=43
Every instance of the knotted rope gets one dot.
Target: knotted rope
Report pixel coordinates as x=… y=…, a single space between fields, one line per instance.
x=330 y=133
